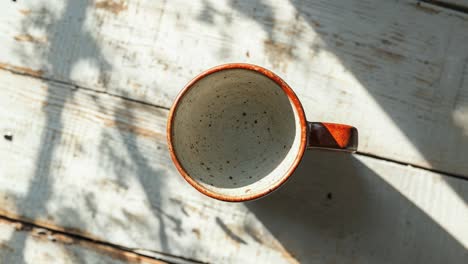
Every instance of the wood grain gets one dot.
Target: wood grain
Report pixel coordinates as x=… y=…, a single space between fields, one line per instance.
x=393 y=69
x=96 y=165
x=38 y=245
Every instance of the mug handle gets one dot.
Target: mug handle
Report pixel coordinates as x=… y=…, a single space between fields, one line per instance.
x=332 y=136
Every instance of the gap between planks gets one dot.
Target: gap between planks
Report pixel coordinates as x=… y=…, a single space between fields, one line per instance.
x=447 y=5
x=448 y=174
x=113 y=250
x=77 y=87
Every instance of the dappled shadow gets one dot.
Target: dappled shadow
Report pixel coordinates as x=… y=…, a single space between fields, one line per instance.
x=149 y=178
x=363 y=36
x=337 y=210
x=380 y=35
x=207 y=15
x=328 y=205
x=40 y=190
x=66 y=33
x=258 y=10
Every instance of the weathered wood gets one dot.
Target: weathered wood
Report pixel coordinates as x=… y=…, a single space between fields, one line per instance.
x=97 y=165
x=394 y=69
x=38 y=245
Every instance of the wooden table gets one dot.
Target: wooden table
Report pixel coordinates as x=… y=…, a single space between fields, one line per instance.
x=85 y=175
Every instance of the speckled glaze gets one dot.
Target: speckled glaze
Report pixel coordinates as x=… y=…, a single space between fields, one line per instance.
x=237 y=132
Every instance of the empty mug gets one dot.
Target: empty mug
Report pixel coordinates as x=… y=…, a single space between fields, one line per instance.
x=237 y=132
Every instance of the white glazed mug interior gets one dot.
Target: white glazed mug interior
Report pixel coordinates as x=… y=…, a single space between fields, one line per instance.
x=236 y=134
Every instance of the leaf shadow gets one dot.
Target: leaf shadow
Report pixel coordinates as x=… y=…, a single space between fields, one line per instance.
x=380 y=36
x=347 y=20
x=41 y=188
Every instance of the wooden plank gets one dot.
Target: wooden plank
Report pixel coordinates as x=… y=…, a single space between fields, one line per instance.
x=38 y=245
x=97 y=165
x=394 y=69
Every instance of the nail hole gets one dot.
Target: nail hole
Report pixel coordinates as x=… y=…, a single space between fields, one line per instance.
x=255 y=121
x=230 y=177
x=244 y=113
x=329 y=196
x=8 y=137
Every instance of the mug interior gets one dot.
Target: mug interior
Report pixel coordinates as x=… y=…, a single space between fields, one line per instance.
x=236 y=133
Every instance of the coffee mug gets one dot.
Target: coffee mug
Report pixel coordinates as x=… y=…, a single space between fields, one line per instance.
x=237 y=132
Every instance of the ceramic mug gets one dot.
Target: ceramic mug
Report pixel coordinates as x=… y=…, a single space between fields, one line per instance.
x=237 y=132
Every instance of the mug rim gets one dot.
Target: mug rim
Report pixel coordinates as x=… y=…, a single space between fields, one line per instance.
x=291 y=96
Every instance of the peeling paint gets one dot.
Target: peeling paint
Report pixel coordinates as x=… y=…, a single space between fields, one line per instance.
x=196 y=231
x=25 y=70
x=134 y=129
x=30 y=38
x=425 y=8
x=279 y=53
x=43 y=234
x=25 y=11
x=114 y=7
x=389 y=55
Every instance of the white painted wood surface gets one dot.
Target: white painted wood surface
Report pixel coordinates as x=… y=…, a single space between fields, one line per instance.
x=394 y=69
x=39 y=246
x=97 y=165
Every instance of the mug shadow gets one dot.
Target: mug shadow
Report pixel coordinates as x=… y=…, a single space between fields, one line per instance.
x=352 y=31
x=338 y=209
